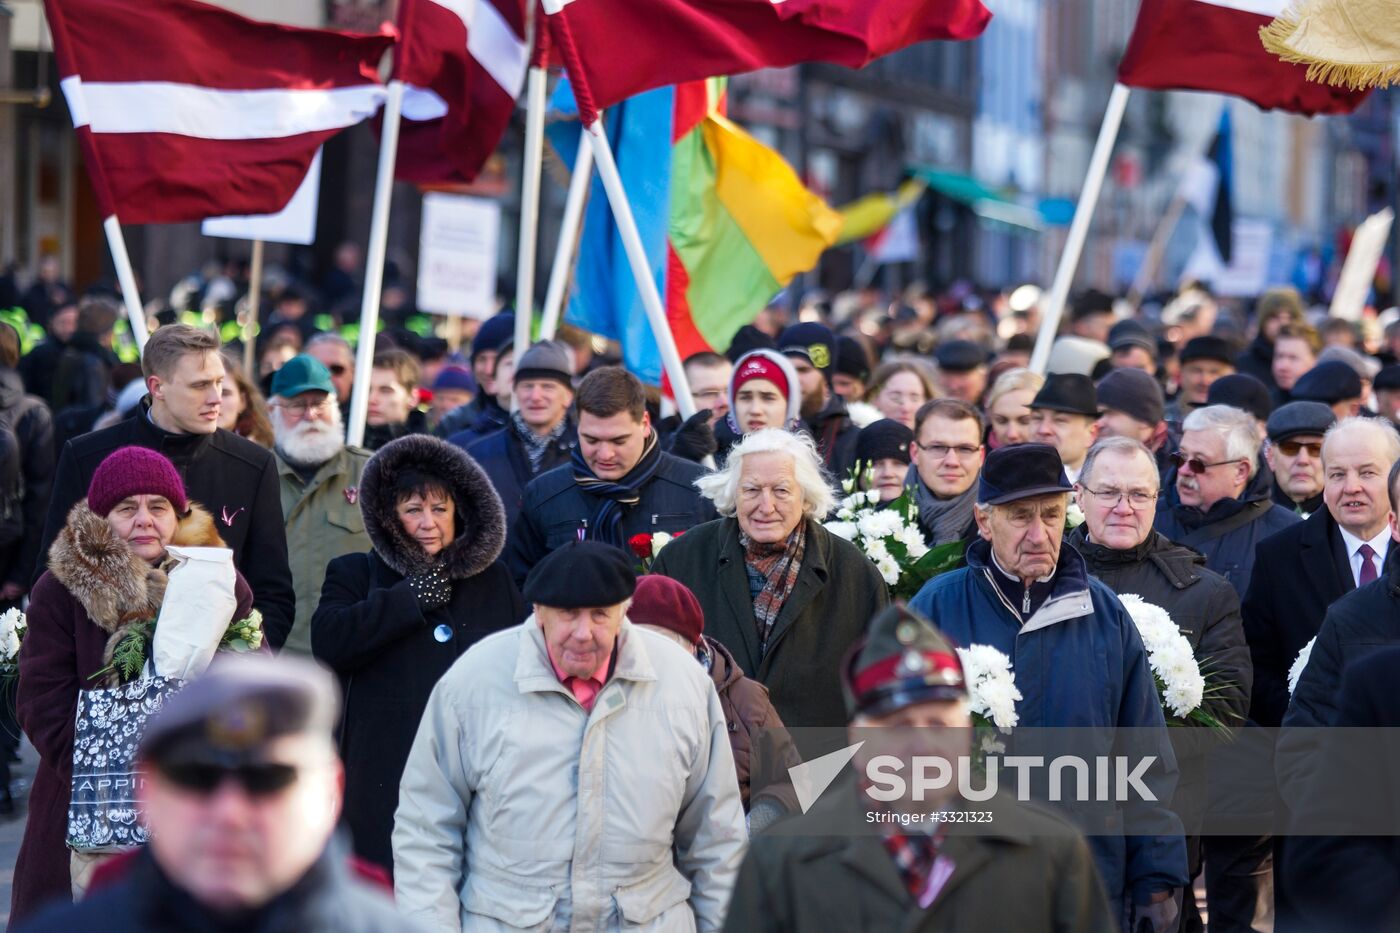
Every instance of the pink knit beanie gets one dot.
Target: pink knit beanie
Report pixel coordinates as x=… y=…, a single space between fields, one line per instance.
x=135 y=471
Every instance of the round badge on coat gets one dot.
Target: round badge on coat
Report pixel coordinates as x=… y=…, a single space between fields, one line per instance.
x=443 y=633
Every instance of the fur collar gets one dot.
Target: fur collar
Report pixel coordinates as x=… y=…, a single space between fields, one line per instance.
x=481 y=519
x=114 y=585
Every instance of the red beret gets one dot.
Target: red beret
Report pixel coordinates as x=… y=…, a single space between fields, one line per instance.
x=667 y=603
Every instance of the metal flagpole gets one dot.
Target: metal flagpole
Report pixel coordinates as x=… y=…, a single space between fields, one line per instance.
x=641 y=269
x=374 y=263
x=568 y=236
x=250 y=326
x=1079 y=228
x=135 y=314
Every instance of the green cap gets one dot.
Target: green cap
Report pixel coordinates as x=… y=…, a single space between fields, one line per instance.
x=302 y=374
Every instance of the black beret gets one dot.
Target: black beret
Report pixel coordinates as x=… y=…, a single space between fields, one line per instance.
x=1022 y=471
x=960 y=356
x=1208 y=348
x=1387 y=378
x=1134 y=393
x=882 y=440
x=581 y=575
x=1242 y=391
x=851 y=358
x=1300 y=418
x=1327 y=382
x=228 y=716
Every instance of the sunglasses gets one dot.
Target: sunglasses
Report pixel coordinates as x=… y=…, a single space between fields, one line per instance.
x=262 y=780
x=1292 y=448
x=1196 y=464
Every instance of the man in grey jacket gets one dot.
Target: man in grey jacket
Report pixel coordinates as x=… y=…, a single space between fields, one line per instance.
x=572 y=772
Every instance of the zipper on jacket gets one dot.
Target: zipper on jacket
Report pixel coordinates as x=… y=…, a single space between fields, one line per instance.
x=1026 y=602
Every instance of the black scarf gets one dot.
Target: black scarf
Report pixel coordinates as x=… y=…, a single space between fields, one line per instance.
x=606 y=524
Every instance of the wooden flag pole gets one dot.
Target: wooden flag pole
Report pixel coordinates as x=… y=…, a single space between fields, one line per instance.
x=1079 y=228
x=568 y=236
x=374 y=263
x=135 y=314
x=641 y=269
x=529 y=207
x=250 y=326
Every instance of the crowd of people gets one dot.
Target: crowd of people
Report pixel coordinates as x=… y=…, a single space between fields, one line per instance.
x=534 y=723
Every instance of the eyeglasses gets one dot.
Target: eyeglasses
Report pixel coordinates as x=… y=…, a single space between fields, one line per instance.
x=1196 y=464
x=939 y=451
x=261 y=780
x=1292 y=448
x=300 y=409
x=1137 y=499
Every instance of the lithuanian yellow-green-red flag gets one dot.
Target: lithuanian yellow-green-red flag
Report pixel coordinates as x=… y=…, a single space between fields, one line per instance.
x=725 y=221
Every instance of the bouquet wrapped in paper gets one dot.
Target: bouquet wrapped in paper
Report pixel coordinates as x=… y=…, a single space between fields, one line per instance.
x=198 y=606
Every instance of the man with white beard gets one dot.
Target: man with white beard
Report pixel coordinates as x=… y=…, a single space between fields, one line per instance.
x=320 y=483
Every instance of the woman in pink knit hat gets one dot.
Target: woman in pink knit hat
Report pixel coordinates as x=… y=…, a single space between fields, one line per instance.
x=106 y=573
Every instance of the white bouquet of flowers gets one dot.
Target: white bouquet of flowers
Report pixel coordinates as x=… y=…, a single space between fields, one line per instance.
x=1180 y=683
x=13 y=625
x=890 y=536
x=1295 y=673
x=991 y=687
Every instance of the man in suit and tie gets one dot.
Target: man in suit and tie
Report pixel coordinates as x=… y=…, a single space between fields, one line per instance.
x=1303 y=569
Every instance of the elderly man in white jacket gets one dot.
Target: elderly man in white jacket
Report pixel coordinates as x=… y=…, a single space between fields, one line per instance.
x=571 y=773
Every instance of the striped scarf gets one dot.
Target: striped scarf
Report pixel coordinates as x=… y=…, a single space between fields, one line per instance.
x=606 y=524
x=777 y=566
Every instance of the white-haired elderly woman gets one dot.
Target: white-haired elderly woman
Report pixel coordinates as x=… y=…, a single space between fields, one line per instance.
x=783 y=594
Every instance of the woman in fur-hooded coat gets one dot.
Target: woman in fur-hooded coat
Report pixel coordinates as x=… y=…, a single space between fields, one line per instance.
x=95 y=587
x=392 y=621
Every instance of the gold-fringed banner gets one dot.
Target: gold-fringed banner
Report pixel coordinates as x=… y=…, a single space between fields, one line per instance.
x=1345 y=43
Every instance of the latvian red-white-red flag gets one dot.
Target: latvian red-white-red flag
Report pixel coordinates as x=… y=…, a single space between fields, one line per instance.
x=1214 y=45
x=624 y=47
x=186 y=111
x=464 y=64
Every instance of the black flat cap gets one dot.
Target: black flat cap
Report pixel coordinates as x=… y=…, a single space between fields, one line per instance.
x=1130 y=333
x=960 y=356
x=1021 y=472
x=1134 y=393
x=231 y=714
x=1387 y=378
x=581 y=575
x=1242 y=391
x=884 y=439
x=1300 y=418
x=1208 y=348
x=1327 y=382
x=1071 y=392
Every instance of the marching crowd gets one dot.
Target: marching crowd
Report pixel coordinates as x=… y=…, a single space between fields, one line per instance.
x=562 y=637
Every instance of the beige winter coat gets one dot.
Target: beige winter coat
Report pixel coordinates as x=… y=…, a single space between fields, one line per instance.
x=628 y=816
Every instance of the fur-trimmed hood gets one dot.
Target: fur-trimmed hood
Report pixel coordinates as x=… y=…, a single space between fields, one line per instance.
x=114 y=585
x=481 y=518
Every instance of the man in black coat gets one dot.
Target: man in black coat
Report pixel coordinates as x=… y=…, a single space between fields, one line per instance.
x=1349 y=882
x=1117 y=490
x=235 y=479
x=540 y=434
x=1362 y=622
x=1301 y=571
x=619 y=482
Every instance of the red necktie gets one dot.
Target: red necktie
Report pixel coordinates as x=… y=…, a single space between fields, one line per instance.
x=1368 y=566
x=585 y=690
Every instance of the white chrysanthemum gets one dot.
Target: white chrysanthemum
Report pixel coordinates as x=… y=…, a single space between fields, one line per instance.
x=1169 y=655
x=1074 y=515
x=889 y=569
x=842 y=529
x=1295 y=673
x=874 y=525
x=991 y=685
x=876 y=550
x=913 y=541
